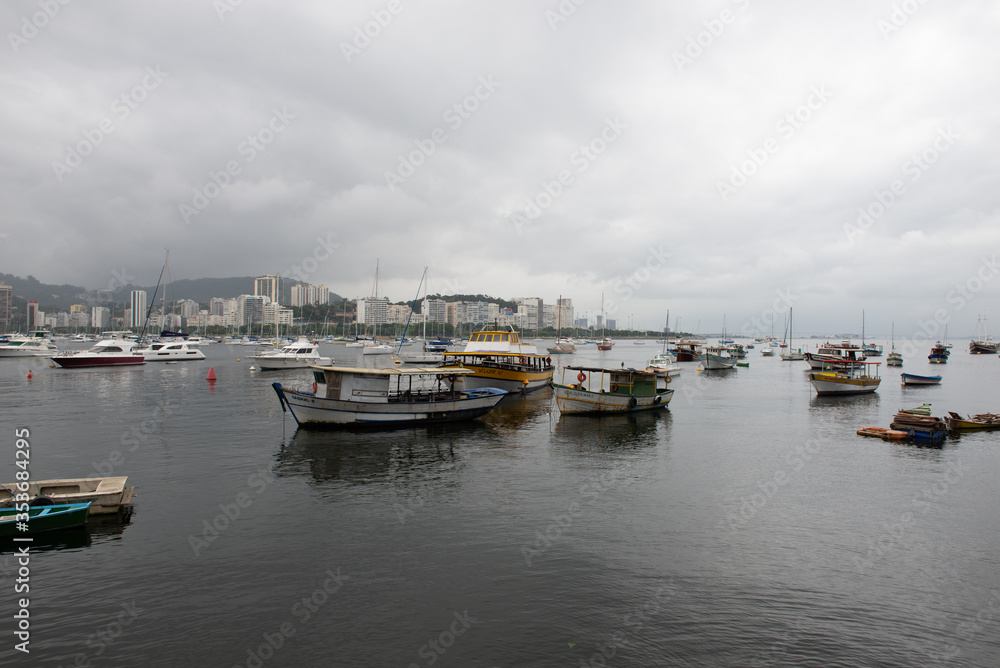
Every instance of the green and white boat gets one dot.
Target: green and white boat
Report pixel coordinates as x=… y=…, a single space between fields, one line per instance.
x=600 y=391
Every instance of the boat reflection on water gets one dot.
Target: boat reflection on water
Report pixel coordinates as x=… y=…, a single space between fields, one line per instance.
x=368 y=456
x=517 y=410
x=629 y=431
x=99 y=530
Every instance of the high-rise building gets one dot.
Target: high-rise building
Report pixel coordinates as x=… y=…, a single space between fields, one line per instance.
x=275 y=314
x=250 y=309
x=188 y=308
x=138 y=305
x=533 y=309
x=100 y=317
x=398 y=313
x=373 y=311
x=268 y=286
x=309 y=294
x=6 y=301
x=34 y=319
x=434 y=310
x=77 y=308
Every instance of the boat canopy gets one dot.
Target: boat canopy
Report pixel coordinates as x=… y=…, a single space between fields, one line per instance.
x=422 y=371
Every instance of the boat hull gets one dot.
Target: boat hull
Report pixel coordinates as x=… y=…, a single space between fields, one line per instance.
x=832 y=383
x=265 y=363
x=107 y=496
x=78 y=362
x=716 y=363
x=318 y=412
x=44 y=519
x=507 y=380
x=576 y=401
x=913 y=379
x=14 y=352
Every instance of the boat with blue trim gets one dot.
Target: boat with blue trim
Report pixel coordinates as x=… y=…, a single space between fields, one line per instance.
x=393 y=397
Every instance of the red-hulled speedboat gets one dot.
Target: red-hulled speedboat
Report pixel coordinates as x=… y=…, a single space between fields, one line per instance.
x=110 y=352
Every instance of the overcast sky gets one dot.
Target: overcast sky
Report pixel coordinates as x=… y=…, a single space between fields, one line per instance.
x=710 y=158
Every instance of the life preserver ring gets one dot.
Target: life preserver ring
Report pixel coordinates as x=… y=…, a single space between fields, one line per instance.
x=581 y=376
x=523 y=360
x=314 y=387
x=548 y=360
x=614 y=387
x=632 y=402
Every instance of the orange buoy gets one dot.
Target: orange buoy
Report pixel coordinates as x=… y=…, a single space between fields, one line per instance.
x=30 y=375
x=211 y=375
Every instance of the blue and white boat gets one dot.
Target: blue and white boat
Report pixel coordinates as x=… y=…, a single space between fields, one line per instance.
x=914 y=379
x=394 y=397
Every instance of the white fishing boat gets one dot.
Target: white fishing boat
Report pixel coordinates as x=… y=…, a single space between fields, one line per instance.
x=600 y=391
x=716 y=358
x=171 y=351
x=835 y=353
x=297 y=355
x=768 y=350
x=664 y=362
x=893 y=358
x=347 y=396
x=846 y=378
x=106 y=495
x=36 y=344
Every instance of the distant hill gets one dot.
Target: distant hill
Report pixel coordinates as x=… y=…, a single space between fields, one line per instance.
x=31 y=288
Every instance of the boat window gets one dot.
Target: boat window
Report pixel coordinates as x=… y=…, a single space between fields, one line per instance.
x=504 y=337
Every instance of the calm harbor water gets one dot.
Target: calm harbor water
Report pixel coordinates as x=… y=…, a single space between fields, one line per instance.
x=748 y=525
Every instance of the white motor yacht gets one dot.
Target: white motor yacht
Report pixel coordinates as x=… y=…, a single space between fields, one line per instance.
x=171 y=351
x=300 y=354
x=35 y=344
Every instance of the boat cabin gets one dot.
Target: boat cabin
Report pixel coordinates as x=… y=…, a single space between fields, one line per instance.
x=628 y=382
x=386 y=385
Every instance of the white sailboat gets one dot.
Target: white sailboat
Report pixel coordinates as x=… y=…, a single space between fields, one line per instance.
x=791 y=355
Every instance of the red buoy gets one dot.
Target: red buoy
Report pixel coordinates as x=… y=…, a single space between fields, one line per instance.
x=211 y=375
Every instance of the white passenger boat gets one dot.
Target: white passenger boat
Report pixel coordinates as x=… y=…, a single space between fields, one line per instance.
x=600 y=391
x=346 y=396
x=171 y=351
x=297 y=355
x=36 y=344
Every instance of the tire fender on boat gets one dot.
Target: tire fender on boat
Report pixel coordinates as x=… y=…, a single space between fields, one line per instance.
x=632 y=402
x=40 y=501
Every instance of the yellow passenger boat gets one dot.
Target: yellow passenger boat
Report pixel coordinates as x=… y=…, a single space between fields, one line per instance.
x=498 y=358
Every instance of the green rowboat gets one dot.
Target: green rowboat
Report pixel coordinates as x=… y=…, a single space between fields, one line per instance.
x=43 y=518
